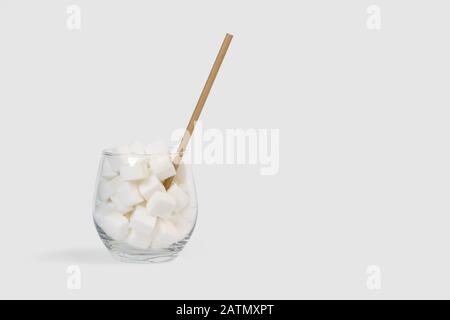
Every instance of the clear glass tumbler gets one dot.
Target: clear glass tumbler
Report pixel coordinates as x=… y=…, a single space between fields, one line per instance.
x=137 y=219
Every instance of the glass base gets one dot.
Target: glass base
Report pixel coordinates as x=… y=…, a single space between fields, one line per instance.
x=143 y=258
x=125 y=253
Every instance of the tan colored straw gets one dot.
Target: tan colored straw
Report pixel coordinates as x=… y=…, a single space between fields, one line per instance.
x=200 y=103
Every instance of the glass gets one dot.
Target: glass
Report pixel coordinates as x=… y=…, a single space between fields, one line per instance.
x=137 y=220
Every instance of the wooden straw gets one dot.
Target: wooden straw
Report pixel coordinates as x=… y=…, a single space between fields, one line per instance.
x=200 y=103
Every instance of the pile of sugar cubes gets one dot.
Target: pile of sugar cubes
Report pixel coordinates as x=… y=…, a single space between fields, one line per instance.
x=132 y=204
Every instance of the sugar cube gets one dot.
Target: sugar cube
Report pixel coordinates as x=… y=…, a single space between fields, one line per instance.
x=107 y=170
x=104 y=208
x=138 y=171
x=150 y=186
x=114 y=225
x=162 y=167
x=127 y=195
x=160 y=204
x=185 y=220
x=181 y=198
x=166 y=233
x=107 y=188
x=138 y=240
x=142 y=222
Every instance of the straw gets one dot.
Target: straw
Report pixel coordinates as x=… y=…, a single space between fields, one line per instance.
x=200 y=103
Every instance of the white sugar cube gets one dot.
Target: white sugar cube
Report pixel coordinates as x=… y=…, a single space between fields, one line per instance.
x=107 y=188
x=157 y=148
x=189 y=213
x=119 y=206
x=150 y=186
x=138 y=240
x=184 y=180
x=142 y=222
x=181 y=198
x=185 y=220
x=189 y=189
x=114 y=225
x=187 y=216
x=138 y=171
x=161 y=204
x=107 y=170
x=127 y=195
x=117 y=161
x=104 y=190
x=162 y=167
x=184 y=173
x=104 y=208
x=120 y=158
x=166 y=233
x=137 y=148
x=183 y=225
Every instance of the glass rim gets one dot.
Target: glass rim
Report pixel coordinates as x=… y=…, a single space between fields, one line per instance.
x=112 y=152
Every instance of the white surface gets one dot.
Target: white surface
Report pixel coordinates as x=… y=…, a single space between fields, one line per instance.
x=364 y=131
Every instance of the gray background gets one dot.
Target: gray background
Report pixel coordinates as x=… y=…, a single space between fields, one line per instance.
x=364 y=155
